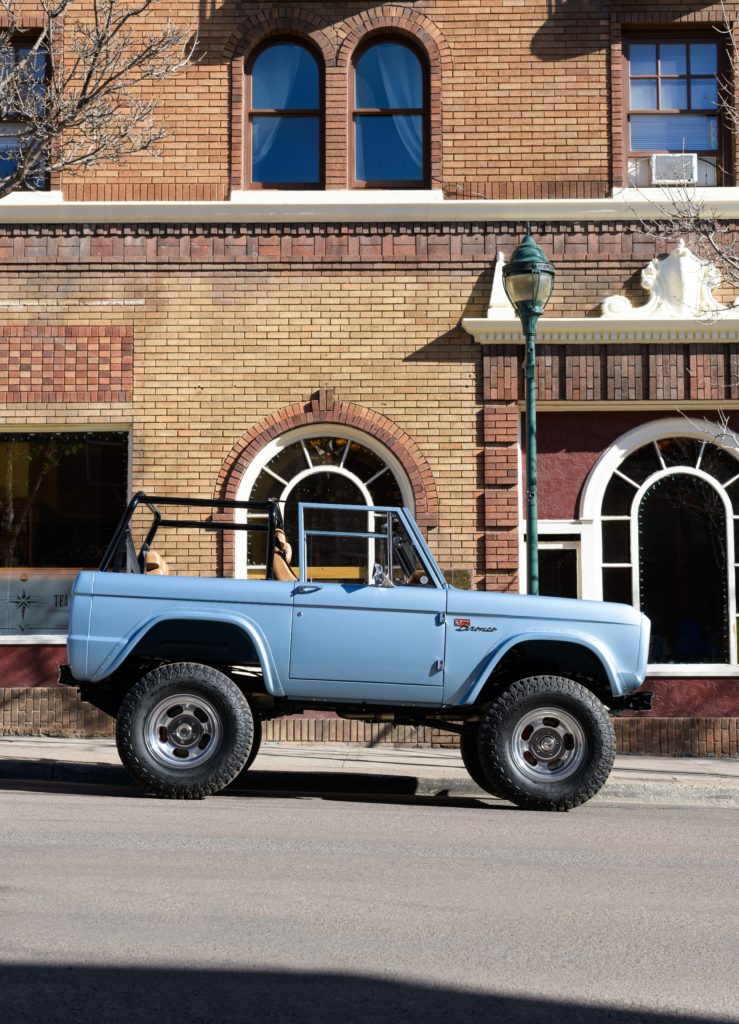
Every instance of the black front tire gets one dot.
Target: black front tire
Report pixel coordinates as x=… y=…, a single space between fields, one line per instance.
x=546 y=743
x=470 y=751
x=184 y=731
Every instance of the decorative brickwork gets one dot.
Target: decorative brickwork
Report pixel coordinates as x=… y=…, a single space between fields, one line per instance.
x=39 y=363
x=324 y=408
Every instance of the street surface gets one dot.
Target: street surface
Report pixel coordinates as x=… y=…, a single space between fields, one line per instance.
x=118 y=908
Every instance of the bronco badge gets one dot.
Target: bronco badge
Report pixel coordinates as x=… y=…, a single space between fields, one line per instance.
x=465 y=626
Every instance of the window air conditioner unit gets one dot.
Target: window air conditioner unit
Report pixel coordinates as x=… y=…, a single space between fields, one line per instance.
x=674 y=168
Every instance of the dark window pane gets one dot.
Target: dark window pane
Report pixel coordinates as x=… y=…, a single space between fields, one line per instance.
x=644 y=94
x=290 y=461
x=720 y=463
x=673 y=59
x=285 y=77
x=641 y=464
x=703 y=59
x=326 y=451
x=389 y=76
x=683 y=570
x=327 y=489
x=61 y=496
x=390 y=148
x=704 y=94
x=558 y=572
x=674 y=94
x=385 y=490
x=362 y=462
x=617 y=541
x=10 y=152
x=285 y=149
x=651 y=132
x=680 y=451
x=618 y=498
x=617 y=585
x=643 y=58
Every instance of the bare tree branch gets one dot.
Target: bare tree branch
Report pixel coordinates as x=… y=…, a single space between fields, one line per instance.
x=67 y=111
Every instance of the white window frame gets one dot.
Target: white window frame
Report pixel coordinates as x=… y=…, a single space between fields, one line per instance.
x=306 y=433
x=591 y=518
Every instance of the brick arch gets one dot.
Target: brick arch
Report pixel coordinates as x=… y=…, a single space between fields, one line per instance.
x=410 y=23
x=324 y=408
x=418 y=28
x=294 y=21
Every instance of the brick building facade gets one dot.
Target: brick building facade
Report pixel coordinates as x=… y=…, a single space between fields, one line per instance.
x=176 y=324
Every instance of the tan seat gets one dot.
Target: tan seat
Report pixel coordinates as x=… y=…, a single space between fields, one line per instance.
x=155 y=565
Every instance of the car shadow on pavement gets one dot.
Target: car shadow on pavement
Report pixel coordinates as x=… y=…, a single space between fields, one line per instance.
x=120 y=995
x=353 y=787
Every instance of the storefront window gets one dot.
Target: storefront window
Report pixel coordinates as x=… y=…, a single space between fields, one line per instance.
x=61 y=495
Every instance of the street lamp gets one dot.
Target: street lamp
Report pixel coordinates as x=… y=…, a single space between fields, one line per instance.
x=528 y=278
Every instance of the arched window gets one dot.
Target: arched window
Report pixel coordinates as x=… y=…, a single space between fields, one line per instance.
x=284 y=98
x=390 y=114
x=669 y=517
x=322 y=465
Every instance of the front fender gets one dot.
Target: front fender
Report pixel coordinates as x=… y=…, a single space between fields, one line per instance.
x=470 y=689
x=122 y=648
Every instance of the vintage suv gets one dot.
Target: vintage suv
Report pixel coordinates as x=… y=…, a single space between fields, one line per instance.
x=367 y=627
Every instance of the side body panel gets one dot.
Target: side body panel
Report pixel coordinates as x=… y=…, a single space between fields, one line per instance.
x=123 y=607
x=368 y=643
x=483 y=627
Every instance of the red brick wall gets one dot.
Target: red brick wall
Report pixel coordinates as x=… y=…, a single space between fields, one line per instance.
x=525 y=98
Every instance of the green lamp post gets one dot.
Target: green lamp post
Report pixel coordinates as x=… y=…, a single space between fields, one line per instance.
x=528 y=278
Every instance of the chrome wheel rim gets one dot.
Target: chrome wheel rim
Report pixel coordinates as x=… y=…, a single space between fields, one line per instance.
x=183 y=731
x=548 y=745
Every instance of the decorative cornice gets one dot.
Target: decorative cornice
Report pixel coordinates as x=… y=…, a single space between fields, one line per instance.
x=346 y=207
x=598 y=331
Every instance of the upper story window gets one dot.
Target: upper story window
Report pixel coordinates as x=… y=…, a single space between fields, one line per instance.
x=23 y=74
x=390 y=116
x=285 y=105
x=673 y=110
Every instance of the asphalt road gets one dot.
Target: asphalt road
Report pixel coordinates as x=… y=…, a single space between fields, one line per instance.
x=117 y=908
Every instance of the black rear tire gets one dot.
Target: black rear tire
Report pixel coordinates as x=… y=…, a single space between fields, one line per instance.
x=546 y=743
x=184 y=731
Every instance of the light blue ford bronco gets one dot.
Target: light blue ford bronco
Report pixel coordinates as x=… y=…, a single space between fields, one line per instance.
x=364 y=625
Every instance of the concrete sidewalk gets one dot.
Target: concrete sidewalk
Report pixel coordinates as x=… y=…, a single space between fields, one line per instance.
x=377 y=771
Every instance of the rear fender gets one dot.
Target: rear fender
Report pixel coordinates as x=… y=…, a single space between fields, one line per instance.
x=126 y=646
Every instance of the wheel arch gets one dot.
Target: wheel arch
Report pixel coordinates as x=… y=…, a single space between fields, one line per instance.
x=195 y=637
x=545 y=655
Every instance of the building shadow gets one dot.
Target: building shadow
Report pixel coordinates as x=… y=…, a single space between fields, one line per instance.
x=34 y=994
x=576 y=27
x=219 y=22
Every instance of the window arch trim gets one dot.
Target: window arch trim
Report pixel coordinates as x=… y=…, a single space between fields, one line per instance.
x=591 y=522
x=249 y=113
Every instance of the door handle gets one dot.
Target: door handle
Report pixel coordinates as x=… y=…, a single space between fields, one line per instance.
x=312 y=589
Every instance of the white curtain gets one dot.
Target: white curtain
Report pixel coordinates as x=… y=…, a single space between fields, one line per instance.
x=271 y=90
x=401 y=77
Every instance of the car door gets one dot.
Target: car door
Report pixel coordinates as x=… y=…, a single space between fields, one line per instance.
x=367 y=624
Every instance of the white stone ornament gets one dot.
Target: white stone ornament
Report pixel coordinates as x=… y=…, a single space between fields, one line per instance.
x=500 y=307
x=680 y=287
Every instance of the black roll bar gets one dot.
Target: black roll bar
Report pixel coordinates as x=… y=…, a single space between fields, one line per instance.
x=122 y=533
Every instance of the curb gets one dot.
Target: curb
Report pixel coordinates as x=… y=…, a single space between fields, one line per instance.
x=375 y=785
